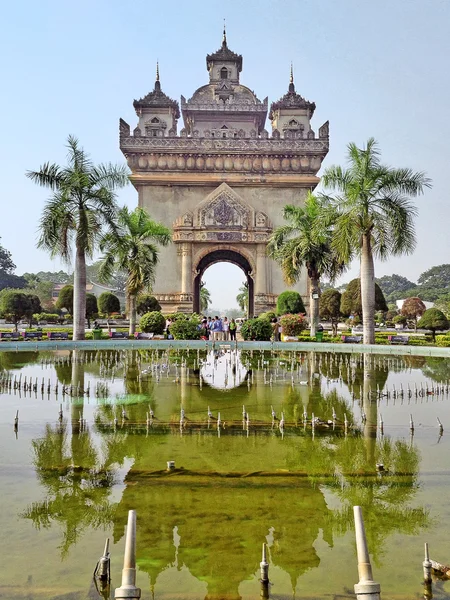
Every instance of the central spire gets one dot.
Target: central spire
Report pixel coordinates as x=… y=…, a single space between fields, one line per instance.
x=157 y=87
x=224 y=37
x=291 y=81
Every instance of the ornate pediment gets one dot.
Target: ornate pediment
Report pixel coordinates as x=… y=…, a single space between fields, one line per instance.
x=224 y=209
x=223 y=216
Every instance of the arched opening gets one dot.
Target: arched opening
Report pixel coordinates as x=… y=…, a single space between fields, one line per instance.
x=223 y=73
x=229 y=256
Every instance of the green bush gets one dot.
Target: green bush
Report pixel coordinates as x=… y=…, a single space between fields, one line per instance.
x=434 y=320
x=153 y=322
x=290 y=302
x=186 y=328
x=49 y=317
x=259 y=330
x=399 y=320
x=443 y=341
x=292 y=324
x=108 y=303
x=176 y=316
x=268 y=315
x=147 y=303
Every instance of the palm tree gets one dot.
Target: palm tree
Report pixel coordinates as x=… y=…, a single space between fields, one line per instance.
x=242 y=297
x=373 y=216
x=205 y=297
x=82 y=206
x=306 y=242
x=134 y=249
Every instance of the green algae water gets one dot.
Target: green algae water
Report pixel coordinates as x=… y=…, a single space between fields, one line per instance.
x=268 y=447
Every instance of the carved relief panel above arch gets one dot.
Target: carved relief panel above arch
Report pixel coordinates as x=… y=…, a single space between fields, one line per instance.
x=223 y=209
x=223 y=216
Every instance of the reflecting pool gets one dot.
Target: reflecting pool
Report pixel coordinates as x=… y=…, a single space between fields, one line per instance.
x=268 y=447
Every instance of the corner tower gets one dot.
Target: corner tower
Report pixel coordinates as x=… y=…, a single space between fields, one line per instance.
x=222 y=182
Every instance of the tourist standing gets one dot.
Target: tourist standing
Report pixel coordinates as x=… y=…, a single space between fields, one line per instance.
x=275 y=330
x=210 y=325
x=217 y=329
x=226 y=329
x=233 y=327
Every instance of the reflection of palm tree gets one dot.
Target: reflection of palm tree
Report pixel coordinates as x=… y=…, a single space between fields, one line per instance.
x=385 y=496
x=77 y=492
x=76 y=482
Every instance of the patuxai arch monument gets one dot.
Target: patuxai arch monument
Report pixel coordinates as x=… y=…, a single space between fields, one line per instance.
x=221 y=182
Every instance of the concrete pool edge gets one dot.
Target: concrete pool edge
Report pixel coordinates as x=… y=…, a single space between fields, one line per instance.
x=201 y=345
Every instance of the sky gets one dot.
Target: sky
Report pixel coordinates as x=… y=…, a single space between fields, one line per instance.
x=374 y=69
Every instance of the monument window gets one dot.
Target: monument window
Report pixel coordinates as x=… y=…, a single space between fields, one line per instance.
x=224 y=73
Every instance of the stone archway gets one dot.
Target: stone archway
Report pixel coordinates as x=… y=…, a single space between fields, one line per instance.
x=224 y=255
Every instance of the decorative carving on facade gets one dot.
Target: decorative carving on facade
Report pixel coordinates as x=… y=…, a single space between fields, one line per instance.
x=261 y=219
x=174 y=297
x=124 y=128
x=203 y=144
x=307 y=162
x=223 y=211
x=324 y=131
x=157 y=99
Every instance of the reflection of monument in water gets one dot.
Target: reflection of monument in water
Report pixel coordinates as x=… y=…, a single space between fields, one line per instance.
x=223 y=368
x=209 y=528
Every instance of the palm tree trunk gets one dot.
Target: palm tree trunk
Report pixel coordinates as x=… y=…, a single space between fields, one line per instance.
x=132 y=313
x=367 y=290
x=79 y=295
x=314 y=303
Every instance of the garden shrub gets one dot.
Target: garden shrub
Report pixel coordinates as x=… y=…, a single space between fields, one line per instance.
x=153 y=322
x=293 y=324
x=258 y=329
x=268 y=315
x=290 y=302
x=147 y=303
x=186 y=328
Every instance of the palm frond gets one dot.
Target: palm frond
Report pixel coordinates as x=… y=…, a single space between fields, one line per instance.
x=49 y=175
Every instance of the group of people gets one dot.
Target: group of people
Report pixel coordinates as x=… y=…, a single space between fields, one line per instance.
x=218 y=329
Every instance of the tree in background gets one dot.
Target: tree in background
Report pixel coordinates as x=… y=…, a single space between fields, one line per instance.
x=433 y=320
x=108 y=303
x=91 y=308
x=14 y=305
x=373 y=216
x=290 y=302
x=444 y=306
x=413 y=308
x=205 y=297
x=436 y=277
x=306 y=242
x=65 y=299
x=82 y=206
x=134 y=249
x=394 y=283
x=351 y=303
x=147 y=303
x=34 y=307
x=242 y=297
x=330 y=308
x=53 y=276
x=7 y=267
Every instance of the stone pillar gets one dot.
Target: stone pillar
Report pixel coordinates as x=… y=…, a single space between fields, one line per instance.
x=261 y=277
x=185 y=251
